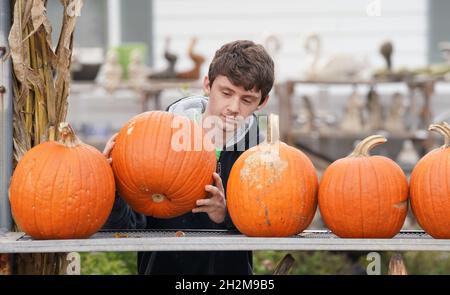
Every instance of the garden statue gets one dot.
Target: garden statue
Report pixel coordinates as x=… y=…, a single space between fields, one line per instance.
x=110 y=74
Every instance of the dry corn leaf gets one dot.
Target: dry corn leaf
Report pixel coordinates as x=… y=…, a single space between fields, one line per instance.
x=39 y=18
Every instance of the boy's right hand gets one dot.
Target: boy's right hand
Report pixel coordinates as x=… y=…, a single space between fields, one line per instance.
x=109 y=147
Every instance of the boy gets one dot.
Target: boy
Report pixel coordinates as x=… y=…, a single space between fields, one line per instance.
x=238 y=83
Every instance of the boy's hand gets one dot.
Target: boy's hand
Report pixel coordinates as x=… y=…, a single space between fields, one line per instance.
x=108 y=148
x=215 y=205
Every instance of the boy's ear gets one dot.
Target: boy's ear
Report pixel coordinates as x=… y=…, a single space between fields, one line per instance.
x=266 y=99
x=206 y=86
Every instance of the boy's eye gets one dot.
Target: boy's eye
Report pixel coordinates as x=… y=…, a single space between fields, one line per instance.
x=247 y=101
x=226 y=93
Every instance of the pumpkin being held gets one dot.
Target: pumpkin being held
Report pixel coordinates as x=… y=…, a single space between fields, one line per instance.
x=162 y=170
x=62 y=190
x=272 y=189
x=363 y=196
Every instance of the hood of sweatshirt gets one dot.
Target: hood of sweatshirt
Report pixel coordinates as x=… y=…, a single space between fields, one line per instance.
x=193 y=106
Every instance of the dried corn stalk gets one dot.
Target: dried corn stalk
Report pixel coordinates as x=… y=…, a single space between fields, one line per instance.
x=42 y=73
x=41 y=87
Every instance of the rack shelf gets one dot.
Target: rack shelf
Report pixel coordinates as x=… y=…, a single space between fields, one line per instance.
x=209 y=240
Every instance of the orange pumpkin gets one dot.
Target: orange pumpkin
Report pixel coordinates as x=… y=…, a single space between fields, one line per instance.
x=363 y=196
x=62 y=190
x=154 y=175
x=430 y=191
x=272 y=189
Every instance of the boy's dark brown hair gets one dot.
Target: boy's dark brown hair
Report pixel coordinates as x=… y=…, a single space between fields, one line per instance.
x=245 y=64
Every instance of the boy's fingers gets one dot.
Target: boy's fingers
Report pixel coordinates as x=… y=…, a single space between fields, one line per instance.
x=108 y=149
x=111 y=147
x=203 y=202
x=113 y=138
x=218 y=181
x=200 y=209
x=212 y=189
x=111 y=142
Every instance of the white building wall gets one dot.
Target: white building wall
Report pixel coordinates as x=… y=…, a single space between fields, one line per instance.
x=344 y=25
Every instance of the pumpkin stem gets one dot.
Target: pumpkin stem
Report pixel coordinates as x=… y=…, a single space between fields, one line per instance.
x=67 y=136
x=273 y=130
x=443 y=129
x=363 y=148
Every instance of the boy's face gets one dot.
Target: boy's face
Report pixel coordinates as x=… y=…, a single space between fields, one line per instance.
x=231 y=103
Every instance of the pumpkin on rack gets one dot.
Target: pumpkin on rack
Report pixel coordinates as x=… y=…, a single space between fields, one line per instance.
x=363 y=196
x=161 y=169
x=430 y=192
x=272 y=189
x=62 y=190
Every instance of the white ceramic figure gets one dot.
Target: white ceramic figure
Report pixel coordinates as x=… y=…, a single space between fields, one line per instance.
x=394 y=121
x=272 y=44
x=137 y=70
x=110 y=74
x=339 y=67
x=352 y=120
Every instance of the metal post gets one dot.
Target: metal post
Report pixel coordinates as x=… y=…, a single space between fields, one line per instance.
x=6 y=114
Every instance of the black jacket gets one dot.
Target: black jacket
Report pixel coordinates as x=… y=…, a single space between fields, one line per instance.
x=190 y=262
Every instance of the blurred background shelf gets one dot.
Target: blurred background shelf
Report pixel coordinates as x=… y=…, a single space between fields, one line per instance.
x=321 y=136
x=97 y=114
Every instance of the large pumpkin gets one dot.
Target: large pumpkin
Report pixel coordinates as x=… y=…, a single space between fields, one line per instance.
x=272 y=189
x=62 y=190
x=161 y=165
x=363 y=196
x=430 y=189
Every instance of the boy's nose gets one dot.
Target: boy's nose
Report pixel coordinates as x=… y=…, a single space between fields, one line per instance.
x=233 y=107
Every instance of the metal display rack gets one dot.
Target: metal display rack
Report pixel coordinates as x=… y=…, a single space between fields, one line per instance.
x=217 y=240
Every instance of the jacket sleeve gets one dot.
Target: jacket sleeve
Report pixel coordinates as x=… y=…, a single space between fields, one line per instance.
x=123 y=217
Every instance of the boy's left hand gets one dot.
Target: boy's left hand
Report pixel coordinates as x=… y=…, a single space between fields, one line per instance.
x=215 y=205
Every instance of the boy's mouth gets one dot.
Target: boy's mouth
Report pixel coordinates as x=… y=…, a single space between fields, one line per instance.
x=230 y=120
